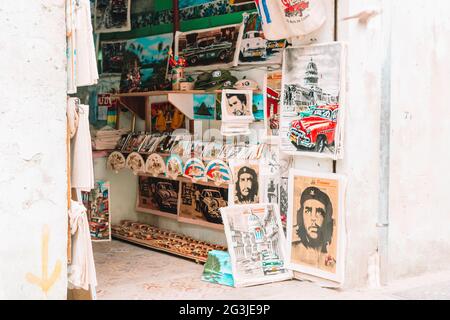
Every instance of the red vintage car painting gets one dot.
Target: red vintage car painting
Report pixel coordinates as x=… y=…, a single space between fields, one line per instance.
x=317 y=130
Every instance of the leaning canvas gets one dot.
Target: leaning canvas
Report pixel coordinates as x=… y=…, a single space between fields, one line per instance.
x=313 y=101
x=256 y=244
x=112 y=16
x=316 y=225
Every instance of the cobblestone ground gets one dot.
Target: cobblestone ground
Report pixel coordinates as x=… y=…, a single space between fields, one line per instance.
x=129 y=272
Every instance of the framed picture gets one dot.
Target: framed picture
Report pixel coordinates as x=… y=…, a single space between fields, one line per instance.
x=316 y=225
x=145 y=63
x=313 y=101
x=209 y=48
x=237 y=105
x=204 y=106
x=255 y=48
x=158 y=196
x=112 y=57
x=112 y=16
x=166 y=118
x=247 y=185
x=200 y=204
x=256 y=244
x=97 y=203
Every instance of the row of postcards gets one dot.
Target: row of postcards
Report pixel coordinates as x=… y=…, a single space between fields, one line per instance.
x=186 y=146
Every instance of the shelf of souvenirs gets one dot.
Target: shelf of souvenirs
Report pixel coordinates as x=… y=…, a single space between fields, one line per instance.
x=164 y=240
x=171 y=92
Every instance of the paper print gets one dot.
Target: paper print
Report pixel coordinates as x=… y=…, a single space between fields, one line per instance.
x=112 y=16
x=158 y=196
x=204 y=106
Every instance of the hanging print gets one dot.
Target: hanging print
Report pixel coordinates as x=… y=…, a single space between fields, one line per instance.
x=246 y=187
x=97 y=203
x=312 y=112
x=316 y=224
x=158 y=196
x=256 y=244
x=112 y=16
x=273 y=97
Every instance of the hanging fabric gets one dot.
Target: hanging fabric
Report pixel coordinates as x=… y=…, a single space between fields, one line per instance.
x=71 y=46
x=282 y=19
x=82 y=161
x=81 y=273
x=72 y=116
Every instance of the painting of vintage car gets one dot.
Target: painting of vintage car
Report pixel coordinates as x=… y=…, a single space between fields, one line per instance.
x=212 y=201
x=166 y=197
x=316 y=129
x=158 y=196
x=253 y=45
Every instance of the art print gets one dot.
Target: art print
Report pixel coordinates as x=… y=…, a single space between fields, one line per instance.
x=237 y=105
x=97 y=203
x=218 y=269
x=200 y=204
x=204 y=106
x=158 y=196
x=273 y=97
x=112 y=16
x=145 y=63
x=155 y=165
x=210 y=48
x=255 y=48
x=246 y=186
x=256 y=244
x=112 y=57
x=316 y=224
x=165 y=118
x=312 y=112
x=258 y=106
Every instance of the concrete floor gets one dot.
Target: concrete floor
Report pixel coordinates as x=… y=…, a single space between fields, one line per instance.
x=130 y=272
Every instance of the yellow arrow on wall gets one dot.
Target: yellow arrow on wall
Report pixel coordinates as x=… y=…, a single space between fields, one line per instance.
x=45 y=283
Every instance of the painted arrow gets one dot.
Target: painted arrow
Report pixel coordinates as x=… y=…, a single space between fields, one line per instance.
x=45 y=282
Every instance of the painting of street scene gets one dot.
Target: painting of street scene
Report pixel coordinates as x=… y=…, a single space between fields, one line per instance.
x=145 y=63
x=200 y=204
x=112 y=16
x=311 y=100
x=209 y=48
x=256 y=243
x=255 y=49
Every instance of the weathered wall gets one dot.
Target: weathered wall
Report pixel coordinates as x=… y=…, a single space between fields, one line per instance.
x=33 y=205
x=419 y=239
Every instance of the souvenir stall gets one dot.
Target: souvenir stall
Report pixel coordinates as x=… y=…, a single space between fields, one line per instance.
x=215 y=123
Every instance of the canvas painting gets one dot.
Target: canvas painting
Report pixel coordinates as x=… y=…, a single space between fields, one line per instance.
x=97 y=203
x=158 y=196
x=112 y=56
x=145 y=63
x=255 y=48
x=200 y=204
x=258 y=107
x=246 y=187
x=256 y=244
x=237 y=105
x=273 y=97
x=218 y=269
x=316 y=224
x=166 y=118
x=312 y=112
x=209 y=48
x=112 y=16
x=204 y=106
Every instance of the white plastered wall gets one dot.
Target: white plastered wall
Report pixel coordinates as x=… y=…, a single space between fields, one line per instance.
x=33 y=186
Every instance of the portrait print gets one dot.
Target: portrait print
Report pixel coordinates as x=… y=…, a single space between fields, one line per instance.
x=237 y=105
x=316 y=224
x=246 y=187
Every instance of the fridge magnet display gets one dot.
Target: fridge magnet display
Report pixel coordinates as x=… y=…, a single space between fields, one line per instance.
x=210 y=48
x=116 y=161
x=166 y=118
x=112 y=57
x=312 y=112
x=145 y=63
x=155 y=165
x=218 y=172
x=316 y=224
x=135 y=163
x=200 y=204
x=256 y=244
x=174 y=167
x=218 y=269
x=273 y=89
x=195 y=170
x=255 y=48
x=112 y=16
x=158 y=196
x=97 y=203
x=237 y=105
x=204 y=106
x=246 y=186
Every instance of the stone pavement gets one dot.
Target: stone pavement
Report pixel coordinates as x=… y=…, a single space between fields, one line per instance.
x=129 y=272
